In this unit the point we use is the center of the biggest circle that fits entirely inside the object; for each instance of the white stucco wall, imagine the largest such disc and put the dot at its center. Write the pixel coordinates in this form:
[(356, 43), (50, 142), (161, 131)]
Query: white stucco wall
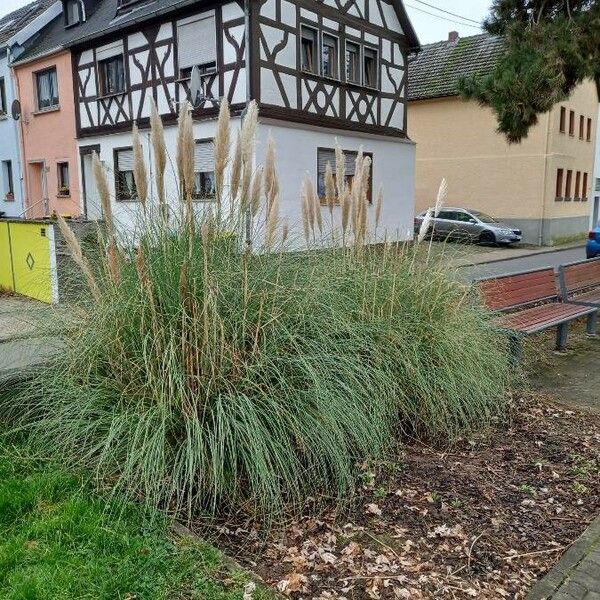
[(9, 145), (296, 155)]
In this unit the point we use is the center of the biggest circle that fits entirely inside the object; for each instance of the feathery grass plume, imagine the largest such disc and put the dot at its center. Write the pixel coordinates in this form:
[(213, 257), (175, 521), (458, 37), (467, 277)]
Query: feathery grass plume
[(236, 169), (271, 181), (103, 192), (256, 192), (112, 263), (340, 169), (378, 206), (159, 149), (425, 224), (357, 191), (272, 221), (330, 188), (222, 144), (317, 208), (185, 161), (307, 213), (140, 174), (77, 255), (248, 137), (441, 197), (346, 202)]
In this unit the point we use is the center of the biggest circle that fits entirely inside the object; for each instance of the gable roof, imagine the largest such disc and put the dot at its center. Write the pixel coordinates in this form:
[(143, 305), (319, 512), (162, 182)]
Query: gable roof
[(16, 20), (436, 70)]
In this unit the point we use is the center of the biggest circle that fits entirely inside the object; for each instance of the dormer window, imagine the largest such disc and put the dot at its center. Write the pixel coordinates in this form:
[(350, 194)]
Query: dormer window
[(72, 12)]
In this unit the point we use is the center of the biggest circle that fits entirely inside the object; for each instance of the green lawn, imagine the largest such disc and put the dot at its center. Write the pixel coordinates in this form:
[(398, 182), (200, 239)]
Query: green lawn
[(59, 541)]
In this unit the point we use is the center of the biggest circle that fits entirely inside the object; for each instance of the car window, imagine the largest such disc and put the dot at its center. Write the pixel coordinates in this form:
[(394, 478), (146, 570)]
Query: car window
[(463, 216), (484, 218), (446, 215)]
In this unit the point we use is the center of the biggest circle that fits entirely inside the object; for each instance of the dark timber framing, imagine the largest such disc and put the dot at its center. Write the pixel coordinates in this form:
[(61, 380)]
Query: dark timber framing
[(151, 68)]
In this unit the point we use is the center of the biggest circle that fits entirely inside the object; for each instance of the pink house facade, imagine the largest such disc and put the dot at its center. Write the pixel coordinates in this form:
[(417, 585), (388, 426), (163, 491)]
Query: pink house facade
[(50, 155)]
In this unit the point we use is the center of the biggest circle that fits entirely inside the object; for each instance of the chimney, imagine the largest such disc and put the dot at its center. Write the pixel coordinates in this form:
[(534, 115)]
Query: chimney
[(453, 36)]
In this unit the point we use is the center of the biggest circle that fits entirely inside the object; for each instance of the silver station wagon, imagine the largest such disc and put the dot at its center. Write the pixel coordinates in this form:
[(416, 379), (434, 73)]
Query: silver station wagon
[(469, 225)]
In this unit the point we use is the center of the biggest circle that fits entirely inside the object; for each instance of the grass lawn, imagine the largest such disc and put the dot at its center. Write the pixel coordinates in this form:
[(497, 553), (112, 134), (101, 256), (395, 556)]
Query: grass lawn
[(60, 541)]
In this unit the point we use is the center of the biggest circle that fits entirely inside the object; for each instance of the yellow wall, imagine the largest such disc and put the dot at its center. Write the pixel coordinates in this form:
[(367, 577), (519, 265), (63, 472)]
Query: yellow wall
[(28, 250), (458, 140)]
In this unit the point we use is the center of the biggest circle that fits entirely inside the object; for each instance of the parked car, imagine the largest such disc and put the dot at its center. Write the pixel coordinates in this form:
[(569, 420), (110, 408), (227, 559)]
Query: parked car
[(470, 225), (592, 248)]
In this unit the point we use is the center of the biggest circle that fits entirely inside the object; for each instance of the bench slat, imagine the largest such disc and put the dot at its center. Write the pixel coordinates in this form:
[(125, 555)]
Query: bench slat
[(542, 317), (524, 288), (580, 276)]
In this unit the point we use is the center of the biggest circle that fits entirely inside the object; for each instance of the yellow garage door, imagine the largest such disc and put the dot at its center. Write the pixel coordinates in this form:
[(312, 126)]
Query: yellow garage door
[(33, 260), (6, 272)]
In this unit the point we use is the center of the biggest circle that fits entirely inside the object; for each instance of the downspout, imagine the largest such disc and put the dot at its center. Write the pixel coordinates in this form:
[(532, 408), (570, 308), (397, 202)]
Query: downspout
[(542, 227), (20, 136)]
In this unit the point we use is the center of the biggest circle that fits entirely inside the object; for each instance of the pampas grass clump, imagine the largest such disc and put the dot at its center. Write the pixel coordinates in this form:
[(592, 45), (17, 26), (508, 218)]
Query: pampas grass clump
[(209, 379)]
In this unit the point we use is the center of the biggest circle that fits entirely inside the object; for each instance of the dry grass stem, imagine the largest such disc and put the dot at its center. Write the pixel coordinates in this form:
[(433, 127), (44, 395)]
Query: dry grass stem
[(307, 221), (185, 160), (222, 144), (272, 221), (285, 232), (271, 179), (77, 255), (140, 174), (346, 202)]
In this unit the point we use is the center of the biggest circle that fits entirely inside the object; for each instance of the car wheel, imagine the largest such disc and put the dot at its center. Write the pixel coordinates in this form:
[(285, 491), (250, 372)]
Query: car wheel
[(487, 237)]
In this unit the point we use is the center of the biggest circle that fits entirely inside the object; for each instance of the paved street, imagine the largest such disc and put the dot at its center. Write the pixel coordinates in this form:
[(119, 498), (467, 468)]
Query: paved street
[(523, 263)]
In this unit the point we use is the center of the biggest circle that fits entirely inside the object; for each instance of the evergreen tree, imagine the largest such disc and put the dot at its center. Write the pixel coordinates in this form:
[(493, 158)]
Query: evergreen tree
[(551, 47)]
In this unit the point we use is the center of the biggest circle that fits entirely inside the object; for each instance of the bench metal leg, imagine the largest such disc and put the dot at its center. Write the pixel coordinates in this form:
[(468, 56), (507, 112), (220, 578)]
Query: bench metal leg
[(561, 336), (516, 348), (592, 324)]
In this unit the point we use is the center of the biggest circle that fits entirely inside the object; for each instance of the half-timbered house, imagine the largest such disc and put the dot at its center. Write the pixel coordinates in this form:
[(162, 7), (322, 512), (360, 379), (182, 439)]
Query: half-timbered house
[(319, 69)]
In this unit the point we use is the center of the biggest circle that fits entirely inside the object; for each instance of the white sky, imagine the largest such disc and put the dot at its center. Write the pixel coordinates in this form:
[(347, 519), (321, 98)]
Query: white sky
[(429, 28)]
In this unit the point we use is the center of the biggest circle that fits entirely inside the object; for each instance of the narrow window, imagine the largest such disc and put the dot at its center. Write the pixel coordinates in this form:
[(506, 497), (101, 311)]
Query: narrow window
[(309, 48), (563, 119), (2, 97), (577, 185), (589, 130), (112, 75), (7, 181), (64, 188), (352, 63), (47, 89), (581, 126), (329, 57), (572, 122), (559, 183), (597, 186), (568, 184), (197, 46), (370, 67), (72, 12), (124, 180), (584, 187), (204, 171)]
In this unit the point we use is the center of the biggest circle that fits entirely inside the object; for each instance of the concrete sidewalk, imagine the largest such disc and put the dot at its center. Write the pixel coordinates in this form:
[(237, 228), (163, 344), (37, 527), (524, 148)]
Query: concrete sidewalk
[(26, 341)]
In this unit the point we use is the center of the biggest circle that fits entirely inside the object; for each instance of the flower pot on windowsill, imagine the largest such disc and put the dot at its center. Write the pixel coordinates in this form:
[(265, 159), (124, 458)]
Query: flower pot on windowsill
[(64, 191), (9, 197)]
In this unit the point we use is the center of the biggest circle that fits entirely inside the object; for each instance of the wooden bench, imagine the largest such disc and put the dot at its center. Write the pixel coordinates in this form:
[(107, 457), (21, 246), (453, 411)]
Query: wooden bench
[(580, 282), (530, 302)]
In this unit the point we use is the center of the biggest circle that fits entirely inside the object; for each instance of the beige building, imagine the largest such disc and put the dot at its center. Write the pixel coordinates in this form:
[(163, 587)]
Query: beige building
[(541, 185)]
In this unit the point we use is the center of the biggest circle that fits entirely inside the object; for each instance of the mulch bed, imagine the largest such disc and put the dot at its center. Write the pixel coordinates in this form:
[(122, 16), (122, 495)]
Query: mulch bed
[(485, 519)]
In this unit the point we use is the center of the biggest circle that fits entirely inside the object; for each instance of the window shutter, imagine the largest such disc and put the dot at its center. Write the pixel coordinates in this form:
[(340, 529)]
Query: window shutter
[(197, 42), (328, 156), (125, 160), (204, 158)]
